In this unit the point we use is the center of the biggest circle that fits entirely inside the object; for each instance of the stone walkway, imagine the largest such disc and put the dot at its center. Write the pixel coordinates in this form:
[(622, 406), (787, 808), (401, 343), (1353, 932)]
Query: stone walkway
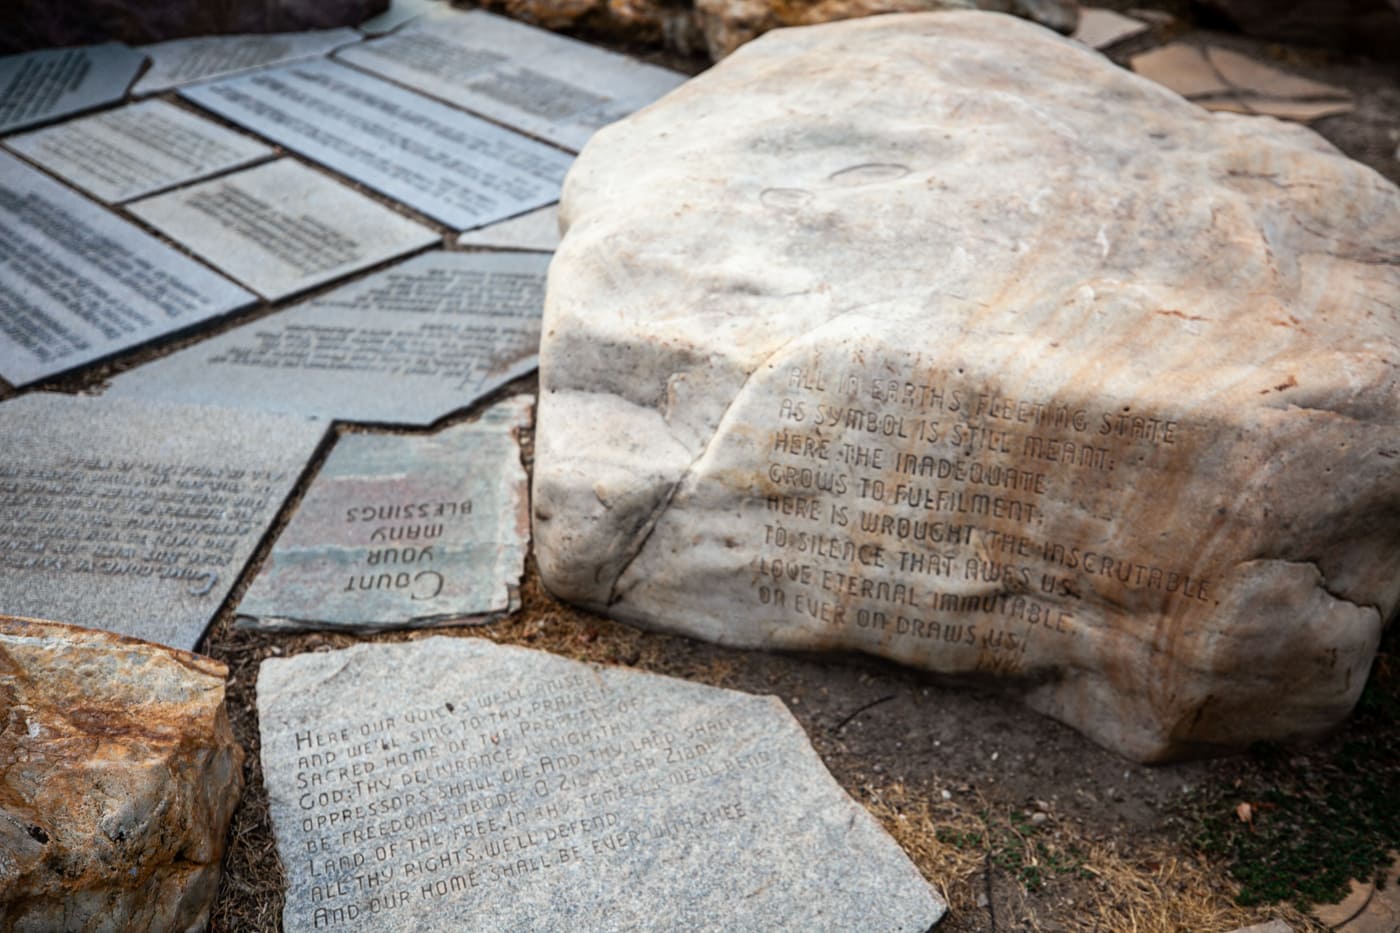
[(251, 285)]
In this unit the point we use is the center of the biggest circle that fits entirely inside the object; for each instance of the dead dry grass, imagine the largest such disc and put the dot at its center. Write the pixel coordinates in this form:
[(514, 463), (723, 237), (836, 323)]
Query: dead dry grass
[(1091, 885)]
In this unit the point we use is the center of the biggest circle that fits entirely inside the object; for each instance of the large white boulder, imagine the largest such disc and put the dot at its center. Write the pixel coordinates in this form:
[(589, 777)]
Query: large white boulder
[(941, 338)]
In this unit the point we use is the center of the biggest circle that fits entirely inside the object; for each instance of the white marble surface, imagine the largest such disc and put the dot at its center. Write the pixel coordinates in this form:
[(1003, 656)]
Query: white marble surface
[(962, 346)]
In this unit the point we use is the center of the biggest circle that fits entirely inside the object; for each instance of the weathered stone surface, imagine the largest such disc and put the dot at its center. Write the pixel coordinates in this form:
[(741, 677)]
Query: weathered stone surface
[(550, 86), (137, 518), (718, 27), (427, 785), (40, 86), (282, 228), (981, 354), (137, 150), (78, 283), (404, 531), (405, 345), (118, 776), (185, 61)]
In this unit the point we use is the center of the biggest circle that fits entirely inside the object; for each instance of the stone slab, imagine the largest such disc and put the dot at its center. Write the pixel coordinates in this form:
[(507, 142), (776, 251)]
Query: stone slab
[(186, 61), (542, 83), (962, 346), (37, 87), (404, 531), (406, 345), (137, 150), (1223, 80), (136, 518), (78, 283), (449, 165), (537, 231), (1099, 28), (428, 785), (282, 228), (400, 12)]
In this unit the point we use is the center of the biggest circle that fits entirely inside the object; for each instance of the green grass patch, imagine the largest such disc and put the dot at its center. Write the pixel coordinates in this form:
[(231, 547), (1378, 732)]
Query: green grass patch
[(1014, 843), (1318, 818)]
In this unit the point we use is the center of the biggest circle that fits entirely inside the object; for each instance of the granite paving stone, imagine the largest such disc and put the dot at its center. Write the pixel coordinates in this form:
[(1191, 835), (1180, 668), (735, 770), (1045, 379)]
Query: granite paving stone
[(282, 228), (137, 518), (37, 87), (537, 231), (186, 61), (436, 159), (452, 783), (537, 81), (78, 283), (405, 345), (404, 531), (137, 150)]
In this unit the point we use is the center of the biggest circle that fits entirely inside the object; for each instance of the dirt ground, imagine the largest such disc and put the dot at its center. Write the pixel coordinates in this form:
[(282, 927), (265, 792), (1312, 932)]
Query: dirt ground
[(1020, 822)]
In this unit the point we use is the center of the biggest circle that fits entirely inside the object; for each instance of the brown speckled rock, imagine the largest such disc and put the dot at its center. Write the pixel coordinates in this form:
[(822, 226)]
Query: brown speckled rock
[(118, 776), (961, 346)]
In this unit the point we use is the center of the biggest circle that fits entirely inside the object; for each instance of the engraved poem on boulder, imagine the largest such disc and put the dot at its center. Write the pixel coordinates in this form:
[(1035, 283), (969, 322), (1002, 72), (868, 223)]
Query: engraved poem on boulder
[(137, 150), (39, 86), (404, 531), (282, 228), (406, 345), (134, 518), (973, 381), (78, 283), (451, 166), (430, 784), (540, 82)]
